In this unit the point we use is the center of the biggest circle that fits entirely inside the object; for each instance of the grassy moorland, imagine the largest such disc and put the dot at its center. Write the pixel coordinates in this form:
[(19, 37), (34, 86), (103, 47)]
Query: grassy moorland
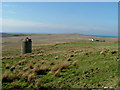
[(69, 63)]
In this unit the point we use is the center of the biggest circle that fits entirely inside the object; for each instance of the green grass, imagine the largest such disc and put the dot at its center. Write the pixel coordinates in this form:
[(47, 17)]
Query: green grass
[(93, 70)]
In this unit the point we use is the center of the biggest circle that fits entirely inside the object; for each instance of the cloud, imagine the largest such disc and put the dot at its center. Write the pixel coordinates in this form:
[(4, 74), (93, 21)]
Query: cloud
[(18, 23), (21, 23), (10, 25)]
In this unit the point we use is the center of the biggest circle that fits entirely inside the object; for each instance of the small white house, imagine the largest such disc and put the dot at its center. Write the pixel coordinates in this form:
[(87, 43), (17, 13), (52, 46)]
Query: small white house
[(96, 40), (92, 39)]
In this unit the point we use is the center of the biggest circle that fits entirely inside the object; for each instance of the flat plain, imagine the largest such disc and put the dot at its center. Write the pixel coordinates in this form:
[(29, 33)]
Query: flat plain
[(60, 61)]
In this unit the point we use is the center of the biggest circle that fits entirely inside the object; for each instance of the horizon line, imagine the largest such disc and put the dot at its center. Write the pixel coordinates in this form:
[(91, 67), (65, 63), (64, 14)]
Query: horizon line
[(60, 33)]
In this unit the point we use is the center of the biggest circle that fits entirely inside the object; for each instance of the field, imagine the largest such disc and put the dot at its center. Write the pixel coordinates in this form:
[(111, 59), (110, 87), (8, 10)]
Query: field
[(60, 61)]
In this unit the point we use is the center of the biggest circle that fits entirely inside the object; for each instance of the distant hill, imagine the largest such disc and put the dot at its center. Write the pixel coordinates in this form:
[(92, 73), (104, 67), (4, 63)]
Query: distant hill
[(12, 35), (26, 34)]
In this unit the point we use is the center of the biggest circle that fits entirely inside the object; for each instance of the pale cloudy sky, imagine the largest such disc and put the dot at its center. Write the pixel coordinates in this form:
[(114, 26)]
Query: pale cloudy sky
[(96, 18)]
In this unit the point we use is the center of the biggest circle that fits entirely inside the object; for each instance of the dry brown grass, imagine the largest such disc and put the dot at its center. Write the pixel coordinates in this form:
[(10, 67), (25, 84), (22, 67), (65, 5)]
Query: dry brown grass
[(28, 67), (31, 77), (15, 85), (64, 64), (113, 51), (7, 66), (52, 63), (48, 62), (38, 83), (20, 74), (85, 53), (57, 73), (42, 61), (55, 67), (72, 55), (13, 67), (71, 50), (33, 61), (61, 65), (44, 67), (8, 76), (41, 70), (37, 65), (18, 68), (21, 62), (25, 75), (11, 43), (102, 52), (75, 63)]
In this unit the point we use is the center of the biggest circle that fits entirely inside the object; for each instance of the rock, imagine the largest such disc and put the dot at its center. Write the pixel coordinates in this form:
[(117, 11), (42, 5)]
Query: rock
[(56, 57)]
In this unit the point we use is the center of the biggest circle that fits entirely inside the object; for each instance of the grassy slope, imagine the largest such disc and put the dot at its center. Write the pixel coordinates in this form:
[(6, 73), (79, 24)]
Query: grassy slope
[(67, 65)]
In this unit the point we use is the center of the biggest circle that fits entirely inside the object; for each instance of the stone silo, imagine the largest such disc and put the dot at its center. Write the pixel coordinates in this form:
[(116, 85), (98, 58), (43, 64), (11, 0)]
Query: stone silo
[(26, 46)]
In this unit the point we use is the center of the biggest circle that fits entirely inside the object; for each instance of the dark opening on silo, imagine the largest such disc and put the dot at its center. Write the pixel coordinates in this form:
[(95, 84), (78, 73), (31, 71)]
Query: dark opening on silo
[(26, 46)]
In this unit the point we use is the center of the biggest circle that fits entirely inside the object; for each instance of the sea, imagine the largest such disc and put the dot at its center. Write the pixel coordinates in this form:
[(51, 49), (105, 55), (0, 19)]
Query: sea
[(104, 36)]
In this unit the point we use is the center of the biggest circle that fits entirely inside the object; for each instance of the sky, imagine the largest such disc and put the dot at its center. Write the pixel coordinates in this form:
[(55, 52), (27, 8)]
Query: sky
[(90, 18)]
